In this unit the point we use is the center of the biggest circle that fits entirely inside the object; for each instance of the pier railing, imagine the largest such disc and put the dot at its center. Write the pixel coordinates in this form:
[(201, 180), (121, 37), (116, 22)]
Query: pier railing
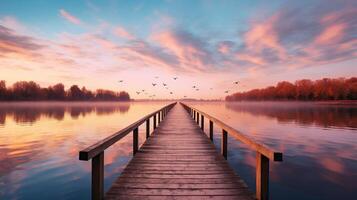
[(263, 153), (96, 151)]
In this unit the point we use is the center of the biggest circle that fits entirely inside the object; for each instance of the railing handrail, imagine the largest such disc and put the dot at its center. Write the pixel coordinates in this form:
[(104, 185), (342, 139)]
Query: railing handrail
[(261, 148), (95, 149)]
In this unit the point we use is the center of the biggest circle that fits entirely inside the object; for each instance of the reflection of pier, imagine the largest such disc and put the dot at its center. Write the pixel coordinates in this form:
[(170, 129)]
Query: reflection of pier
[(178, 160)]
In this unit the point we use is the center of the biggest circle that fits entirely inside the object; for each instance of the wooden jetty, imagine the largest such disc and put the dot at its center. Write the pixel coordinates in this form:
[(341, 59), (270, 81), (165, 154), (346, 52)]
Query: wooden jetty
[(178, 160)]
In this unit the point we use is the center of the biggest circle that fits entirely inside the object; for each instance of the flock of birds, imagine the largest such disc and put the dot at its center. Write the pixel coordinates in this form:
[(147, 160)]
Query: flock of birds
[(166, 87)]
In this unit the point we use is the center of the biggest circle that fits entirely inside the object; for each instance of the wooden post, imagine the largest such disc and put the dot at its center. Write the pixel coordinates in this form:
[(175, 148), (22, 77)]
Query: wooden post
[(202, 122), (211, 130), (154, 122), (162, 115), (198, 118), (147, 128), (159, 117), (98, 177), (194, 115), (262, 177), (135, 140), (224, 144)]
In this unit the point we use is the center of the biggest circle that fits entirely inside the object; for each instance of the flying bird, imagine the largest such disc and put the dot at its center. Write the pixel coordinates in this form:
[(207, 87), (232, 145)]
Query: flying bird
[(193, 86), (153, 84), (226, 91), (170, 92), (137, 92), (156, 77), (120, 81), (143, 90), (197, 89), (184, 96), (164, 84), (175, 78), (236, 82)]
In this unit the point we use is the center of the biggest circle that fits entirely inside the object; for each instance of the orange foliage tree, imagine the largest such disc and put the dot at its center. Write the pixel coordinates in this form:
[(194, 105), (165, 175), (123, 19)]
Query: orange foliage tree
[(305, 89)]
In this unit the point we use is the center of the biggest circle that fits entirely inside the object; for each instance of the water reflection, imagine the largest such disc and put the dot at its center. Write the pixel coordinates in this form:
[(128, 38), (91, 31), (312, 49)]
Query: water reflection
[(301, 113), (32, 112), (318, 143), (39, 145)]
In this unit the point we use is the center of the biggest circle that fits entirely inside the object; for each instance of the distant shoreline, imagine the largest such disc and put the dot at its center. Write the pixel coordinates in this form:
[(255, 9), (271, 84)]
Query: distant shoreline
[(331, 102)]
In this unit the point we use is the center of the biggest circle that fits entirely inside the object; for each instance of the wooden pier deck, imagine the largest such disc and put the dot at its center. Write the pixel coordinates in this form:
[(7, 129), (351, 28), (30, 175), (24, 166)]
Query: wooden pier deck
[(178, 161)]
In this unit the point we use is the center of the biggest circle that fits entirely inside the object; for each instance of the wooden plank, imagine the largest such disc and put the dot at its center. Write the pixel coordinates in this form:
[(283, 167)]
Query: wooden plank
[(183, 197), (179, 160), (178, 186), (178, 192)]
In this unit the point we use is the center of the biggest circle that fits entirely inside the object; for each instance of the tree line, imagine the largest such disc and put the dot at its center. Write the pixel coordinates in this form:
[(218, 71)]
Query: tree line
[(305, 89), (31, 91)]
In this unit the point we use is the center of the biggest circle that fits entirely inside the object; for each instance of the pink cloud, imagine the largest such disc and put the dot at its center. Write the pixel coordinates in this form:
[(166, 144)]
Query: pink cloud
[(12, 43), (299, 38), (225, 47), (70, 17), (189, 50), (330, 34), (123, 33)]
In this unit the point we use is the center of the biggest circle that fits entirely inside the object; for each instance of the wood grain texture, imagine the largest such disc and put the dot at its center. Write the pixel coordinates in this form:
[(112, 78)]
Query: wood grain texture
[(178, 162)]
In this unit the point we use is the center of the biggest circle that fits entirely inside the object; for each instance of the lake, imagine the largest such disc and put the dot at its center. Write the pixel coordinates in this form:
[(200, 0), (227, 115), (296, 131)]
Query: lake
[(39, 145)]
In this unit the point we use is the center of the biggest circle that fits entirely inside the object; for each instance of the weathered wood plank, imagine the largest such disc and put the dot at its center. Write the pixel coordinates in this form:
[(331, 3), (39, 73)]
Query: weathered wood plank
[(178, 161)]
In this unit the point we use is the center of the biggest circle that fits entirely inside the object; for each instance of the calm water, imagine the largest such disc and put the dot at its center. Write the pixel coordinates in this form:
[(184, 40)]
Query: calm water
[(39, 144)]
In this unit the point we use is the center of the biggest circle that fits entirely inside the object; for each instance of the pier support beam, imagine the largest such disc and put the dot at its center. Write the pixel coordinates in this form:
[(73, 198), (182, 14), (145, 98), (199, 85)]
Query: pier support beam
[(262, 177), (98, 177), (202, 122), (154, 122), (135, 140), (148, 128), (224, 142), (211, 130)]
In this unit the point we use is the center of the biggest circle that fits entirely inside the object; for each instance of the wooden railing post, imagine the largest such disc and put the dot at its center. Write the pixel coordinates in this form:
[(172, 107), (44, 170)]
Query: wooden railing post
[(202, 122), (159, 117), (154, 122), (198, 118), (135, 140), (224, 140), (262, 177), (98, 177), (194, 115), (148, 128), (211, 130)]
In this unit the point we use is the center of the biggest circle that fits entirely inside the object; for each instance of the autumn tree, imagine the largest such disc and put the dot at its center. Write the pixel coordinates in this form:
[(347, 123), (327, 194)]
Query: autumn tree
[(323, 89), (3, 90)]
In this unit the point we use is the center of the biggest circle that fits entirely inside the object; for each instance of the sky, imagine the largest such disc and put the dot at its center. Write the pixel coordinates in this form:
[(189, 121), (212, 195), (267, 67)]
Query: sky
[(204, 43)]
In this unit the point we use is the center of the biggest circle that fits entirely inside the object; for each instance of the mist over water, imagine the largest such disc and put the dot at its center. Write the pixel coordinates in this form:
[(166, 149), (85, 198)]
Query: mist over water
[(39, 144)]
